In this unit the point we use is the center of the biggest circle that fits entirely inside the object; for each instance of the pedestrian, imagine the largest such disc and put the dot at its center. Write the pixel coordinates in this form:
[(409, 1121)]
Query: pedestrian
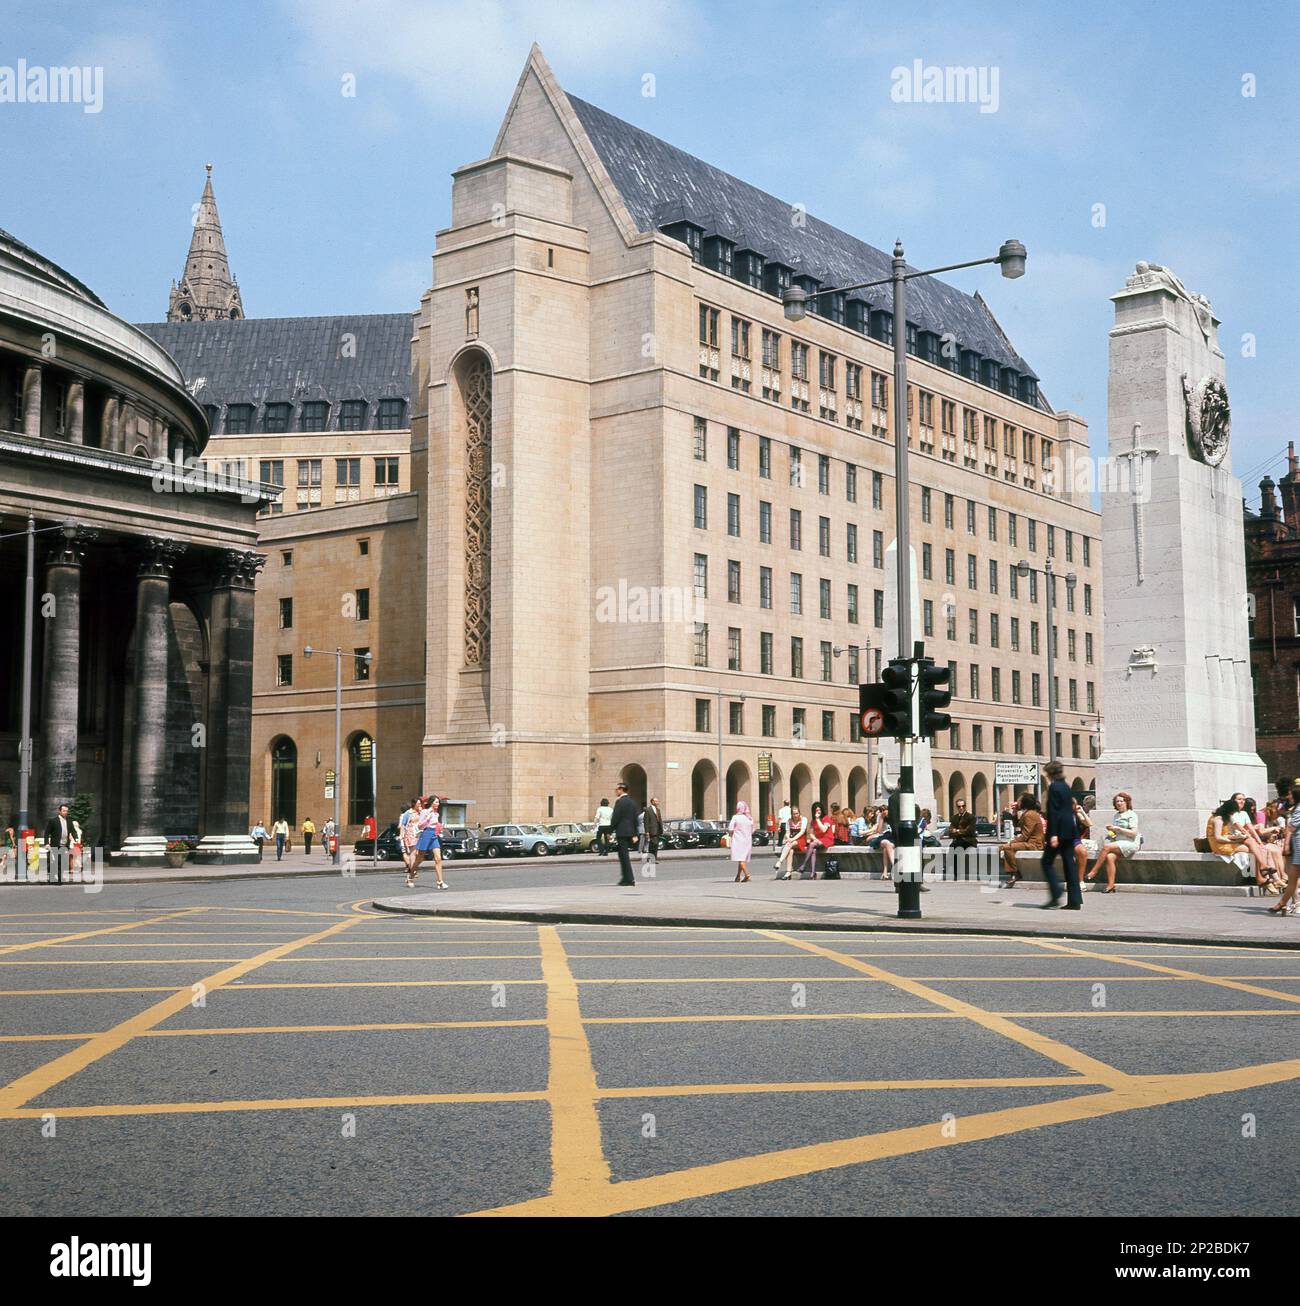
[(369, 829), (1062, 837), (796, 836), (654, 830), (408, 831), (9, 850), (772, 829), (880, 838), (1286, 904), (622, 821), (329, 836), (281, 831), (429, 842), (604, 826), (741, 830), (59, 838), (308, 829), (783, 823), (961, 829), (259, 836), (1122, 840), (1029, 837)]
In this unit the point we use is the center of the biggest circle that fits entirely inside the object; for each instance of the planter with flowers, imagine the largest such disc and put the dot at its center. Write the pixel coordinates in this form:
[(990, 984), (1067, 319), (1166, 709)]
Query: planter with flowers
[(177, 853)]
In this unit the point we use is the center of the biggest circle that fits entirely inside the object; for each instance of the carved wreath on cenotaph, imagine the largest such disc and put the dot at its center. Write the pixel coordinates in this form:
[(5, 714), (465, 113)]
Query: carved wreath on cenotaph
[(1209, 418)]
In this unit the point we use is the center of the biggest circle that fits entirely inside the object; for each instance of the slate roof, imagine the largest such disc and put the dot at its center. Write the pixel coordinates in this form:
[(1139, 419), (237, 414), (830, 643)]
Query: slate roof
[(661, 184), (292, 359)]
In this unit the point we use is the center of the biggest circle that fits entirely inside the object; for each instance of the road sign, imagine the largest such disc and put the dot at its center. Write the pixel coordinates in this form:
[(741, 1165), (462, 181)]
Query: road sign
[(1015, 773), (873, 721)]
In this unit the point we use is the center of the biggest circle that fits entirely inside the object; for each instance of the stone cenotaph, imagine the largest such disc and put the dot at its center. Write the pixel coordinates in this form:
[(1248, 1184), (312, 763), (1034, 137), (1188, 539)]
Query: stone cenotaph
[(1180, 719)]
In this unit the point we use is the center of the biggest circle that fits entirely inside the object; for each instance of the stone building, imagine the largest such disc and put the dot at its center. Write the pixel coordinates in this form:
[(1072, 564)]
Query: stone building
[(662, 509), (143, 640), (1273, 576), (318, 408)]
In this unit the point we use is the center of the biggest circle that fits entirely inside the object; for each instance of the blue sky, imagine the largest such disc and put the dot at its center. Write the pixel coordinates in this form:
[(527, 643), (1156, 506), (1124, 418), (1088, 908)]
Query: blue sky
[(330, 203)]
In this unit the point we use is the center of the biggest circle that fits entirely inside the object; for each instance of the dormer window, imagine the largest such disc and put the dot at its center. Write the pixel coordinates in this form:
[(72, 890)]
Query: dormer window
[(970, 365), (912, 338), (718, 254), (749, 268), (928, 345), (690, 235), (859, 316), (239, 419), (391, 413), (989, 373), (1029, 391), (315, 415), (776, 278), (882, 326), (834, 307), (352, 415), (1009, 382), (276, 417), (811, 285)]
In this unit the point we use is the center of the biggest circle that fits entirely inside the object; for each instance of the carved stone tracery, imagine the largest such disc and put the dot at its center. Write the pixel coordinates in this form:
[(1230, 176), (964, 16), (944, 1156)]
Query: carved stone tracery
[(476, 388)]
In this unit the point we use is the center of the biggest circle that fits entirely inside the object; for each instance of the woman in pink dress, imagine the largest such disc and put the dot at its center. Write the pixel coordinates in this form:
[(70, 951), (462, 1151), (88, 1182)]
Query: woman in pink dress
[(742, 839)]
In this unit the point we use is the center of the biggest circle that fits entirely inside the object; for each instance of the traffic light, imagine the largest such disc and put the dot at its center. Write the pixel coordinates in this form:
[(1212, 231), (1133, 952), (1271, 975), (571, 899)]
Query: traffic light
[(935, 696), (896, 680)]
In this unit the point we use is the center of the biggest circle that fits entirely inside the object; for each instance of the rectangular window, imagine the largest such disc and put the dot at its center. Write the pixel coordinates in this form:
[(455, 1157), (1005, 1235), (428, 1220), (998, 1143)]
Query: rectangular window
[(993, 576), (1033, 536), (1011, 528), (701, 643), (950, 614), (853, 605), (733, 448), (765, 587), (954, 737), (877, 489), (823, 474), (733, 514), (796, 658), (796, 466), (855, 666), (878, 609), (826, 656), (824, 536), (308, 472), (701, 439), (392, 413), (702, 706), (994, 630), (765, 652), (1015, 632), (877, 549), (286, 614), (769, 721), (799, 723), (949, 567), (701, 576), (352, 415), (796, 594), (360, 664), (1013, 583), (974, 626), (927, 616), (925, 503), (733, 581), (970, 517), (286, 558), (798, 376), (796, 529), (1087, 600), (1087, 647), (1015, 686), (995, 685), (239, 419), (977, 738), (386, 474), (824, 598), (764, 458), (1051, 540), (347, 471), (363, 605), (947, 511), (997, 740), (771, 365), (927, 562), (1091, 699), (708, 342), (972, 575), (284, 669), (1035, 689), (736, 723), (315, 415), (733, 650), (974, 681), (1069, 546), (701, 508), (740, 369), (1020, 742), (275, 418), (764, 523), (828, 726), (993, 523), (1087, 552)]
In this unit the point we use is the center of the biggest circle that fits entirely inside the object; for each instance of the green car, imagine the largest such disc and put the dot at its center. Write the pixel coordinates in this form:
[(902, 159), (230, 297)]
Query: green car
[(583, 833)]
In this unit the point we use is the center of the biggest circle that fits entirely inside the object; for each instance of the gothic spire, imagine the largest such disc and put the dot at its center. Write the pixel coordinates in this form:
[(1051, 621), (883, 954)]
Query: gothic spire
[(206, 290)]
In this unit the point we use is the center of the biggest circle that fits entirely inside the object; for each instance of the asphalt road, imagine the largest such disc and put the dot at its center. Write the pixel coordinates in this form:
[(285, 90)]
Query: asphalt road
[(274, 1048)]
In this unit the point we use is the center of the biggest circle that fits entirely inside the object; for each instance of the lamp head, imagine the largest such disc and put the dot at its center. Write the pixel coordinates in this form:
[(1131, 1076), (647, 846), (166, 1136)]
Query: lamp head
[(794, 303), (1012, 259), (1071, 581), (307, 652), (1023, 568)]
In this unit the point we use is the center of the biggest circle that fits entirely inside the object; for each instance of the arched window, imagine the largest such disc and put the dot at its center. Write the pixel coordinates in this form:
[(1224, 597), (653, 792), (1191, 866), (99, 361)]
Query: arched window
[(361, 779), (284, 783)]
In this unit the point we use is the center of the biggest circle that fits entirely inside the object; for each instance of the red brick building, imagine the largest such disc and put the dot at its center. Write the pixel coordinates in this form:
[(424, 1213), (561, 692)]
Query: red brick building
[(1273, 575)]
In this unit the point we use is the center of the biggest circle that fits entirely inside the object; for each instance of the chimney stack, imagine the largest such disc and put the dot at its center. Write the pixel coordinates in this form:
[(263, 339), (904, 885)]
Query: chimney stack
[(1290, 487)]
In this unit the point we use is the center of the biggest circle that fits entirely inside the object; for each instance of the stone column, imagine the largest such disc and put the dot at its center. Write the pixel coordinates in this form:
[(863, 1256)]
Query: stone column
[(60, 680), (230, 711), (109, 423), (158, 444), (76, 412), (145, 842), (32, 401)]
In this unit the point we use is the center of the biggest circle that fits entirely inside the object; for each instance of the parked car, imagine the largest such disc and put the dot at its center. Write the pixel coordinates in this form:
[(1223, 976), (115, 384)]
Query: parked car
[(458, 841), (708, 834), (390, 845), (516, 840), (583, 832), (679, 834), (983, 826)]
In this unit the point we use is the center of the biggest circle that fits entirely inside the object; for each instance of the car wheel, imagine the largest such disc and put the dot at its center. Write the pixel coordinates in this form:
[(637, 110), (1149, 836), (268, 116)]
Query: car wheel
[(538, 850), (493, 850)]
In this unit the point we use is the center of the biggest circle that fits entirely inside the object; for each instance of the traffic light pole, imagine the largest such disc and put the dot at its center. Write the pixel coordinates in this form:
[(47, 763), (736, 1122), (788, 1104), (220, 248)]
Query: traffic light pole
[(907, 856)]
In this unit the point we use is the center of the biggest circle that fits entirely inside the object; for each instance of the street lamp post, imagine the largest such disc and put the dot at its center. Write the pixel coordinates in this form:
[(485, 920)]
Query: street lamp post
[(866, 651), (1011, 258), (1023, 568), (338, 734)]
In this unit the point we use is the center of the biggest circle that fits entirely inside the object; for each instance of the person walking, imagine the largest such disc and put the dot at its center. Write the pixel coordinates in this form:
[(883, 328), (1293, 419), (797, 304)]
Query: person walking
[(429, 842), (281, 832), (783, 823), (259, 836), (796, 834), (58, 841), (1122, 840), (654, 831), (1286, 904), (308, 829), (741, 830), (1029, 837), (604, 826), (9, 850), (622, 821), (1062, 836), (408, 831)]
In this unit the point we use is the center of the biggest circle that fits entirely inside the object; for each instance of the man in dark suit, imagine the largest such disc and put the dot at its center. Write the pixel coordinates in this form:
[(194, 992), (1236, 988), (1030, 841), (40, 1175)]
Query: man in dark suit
[(623, 823), (58, 839), (1061, 840)]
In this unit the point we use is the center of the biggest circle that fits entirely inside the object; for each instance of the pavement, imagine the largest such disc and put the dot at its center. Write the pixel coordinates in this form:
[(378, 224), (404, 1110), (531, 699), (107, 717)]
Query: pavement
[(700, 897), (277, 1048)]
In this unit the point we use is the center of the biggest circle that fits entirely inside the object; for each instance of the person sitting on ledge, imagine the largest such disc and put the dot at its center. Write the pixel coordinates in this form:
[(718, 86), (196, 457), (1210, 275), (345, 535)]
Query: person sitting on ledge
[(1286, 904), (1030, 838), (1122, 840), (1227, 840)]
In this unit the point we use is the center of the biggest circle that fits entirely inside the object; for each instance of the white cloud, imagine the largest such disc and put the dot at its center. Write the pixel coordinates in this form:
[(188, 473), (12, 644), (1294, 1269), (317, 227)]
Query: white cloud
[(461, 56), (135, 69)]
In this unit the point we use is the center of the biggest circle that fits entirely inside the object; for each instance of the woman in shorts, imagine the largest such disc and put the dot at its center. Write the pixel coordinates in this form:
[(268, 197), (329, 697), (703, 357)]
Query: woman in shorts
[(429, 843)]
